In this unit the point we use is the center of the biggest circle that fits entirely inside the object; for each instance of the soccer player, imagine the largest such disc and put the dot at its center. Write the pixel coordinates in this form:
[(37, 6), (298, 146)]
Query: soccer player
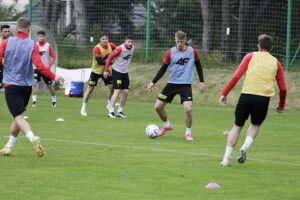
[(122, 55), (262, 69), (19, 52), (100, 53), (181, 60), (5, 32), (48, 58)]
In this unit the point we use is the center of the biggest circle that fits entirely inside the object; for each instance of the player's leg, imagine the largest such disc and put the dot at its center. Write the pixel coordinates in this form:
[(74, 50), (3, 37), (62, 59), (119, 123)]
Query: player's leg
[(117, 86), (187, 105), (113, 100), (48, 82), (91, 84), (162, 113), (259, 112), (125, 92), (109, 84), (166, 96), (37, 79), (14, 132), (123, 100), (242, 112), (185, 92), (53, 96), (17, 98)]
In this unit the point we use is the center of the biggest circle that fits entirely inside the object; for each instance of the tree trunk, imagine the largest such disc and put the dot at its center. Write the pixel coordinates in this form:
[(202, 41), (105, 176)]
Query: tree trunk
[(207, 34), (81, 23), (225, 25)]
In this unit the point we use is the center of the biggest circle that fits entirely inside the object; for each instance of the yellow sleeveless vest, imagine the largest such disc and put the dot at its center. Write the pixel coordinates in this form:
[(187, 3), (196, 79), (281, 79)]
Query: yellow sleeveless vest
[(96, 68), (261, 75)]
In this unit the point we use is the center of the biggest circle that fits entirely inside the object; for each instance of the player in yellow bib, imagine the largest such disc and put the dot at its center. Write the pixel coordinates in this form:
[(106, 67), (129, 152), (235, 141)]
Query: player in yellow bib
[(100, 53)]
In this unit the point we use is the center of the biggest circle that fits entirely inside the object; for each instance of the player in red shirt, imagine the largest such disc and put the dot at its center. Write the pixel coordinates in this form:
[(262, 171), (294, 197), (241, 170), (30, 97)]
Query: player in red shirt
[(19, 53), (262, 69), (48, 58)]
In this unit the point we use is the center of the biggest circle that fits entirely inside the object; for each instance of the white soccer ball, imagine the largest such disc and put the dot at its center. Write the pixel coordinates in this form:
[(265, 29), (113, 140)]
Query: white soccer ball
[(152, 131)]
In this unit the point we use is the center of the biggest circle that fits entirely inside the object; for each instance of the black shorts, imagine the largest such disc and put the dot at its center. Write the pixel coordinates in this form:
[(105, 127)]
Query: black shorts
[(17, 98), (93, 81), (120, 80), (1, 78), (254, 105), (170, 90), (38, 75)]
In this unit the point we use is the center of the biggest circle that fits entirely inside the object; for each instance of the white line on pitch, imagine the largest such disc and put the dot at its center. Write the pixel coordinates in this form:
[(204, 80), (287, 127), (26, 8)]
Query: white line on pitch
[(164, 150), (159, 150)]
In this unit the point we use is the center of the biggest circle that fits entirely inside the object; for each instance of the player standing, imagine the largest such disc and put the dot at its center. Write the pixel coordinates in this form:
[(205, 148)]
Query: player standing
[(19, 52), (5, 32), (122, 55), (100, 53), (181, 60), (262, 69), (48, 58)]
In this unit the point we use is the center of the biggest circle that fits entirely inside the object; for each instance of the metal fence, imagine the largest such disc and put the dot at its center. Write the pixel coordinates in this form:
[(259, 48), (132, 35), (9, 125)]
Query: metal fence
[(222, 30)]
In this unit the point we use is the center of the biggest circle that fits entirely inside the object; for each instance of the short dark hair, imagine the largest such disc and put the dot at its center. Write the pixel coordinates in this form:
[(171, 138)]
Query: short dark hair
[(180, 35), (23, 23), (41, 32), (4, 26), (265, 42), (128, 37), (103, 34)]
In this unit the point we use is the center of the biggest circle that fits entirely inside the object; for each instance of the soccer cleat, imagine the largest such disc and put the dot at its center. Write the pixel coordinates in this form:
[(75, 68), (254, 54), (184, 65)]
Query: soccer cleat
[(6, 151), (121, 115), (188, 137), (225, 162), (83, 113), (34, 104), (164, 130), (111, 115), (36, 141), (54, 104), (242, 156)]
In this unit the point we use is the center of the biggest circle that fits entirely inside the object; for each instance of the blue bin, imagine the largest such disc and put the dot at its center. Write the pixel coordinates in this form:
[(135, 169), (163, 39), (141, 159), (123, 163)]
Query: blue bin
[(76, 88)]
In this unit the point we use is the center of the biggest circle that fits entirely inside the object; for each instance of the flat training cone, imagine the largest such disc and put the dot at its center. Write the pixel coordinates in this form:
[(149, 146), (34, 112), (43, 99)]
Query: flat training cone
[(226, 132), (213, 185), (60, 120)]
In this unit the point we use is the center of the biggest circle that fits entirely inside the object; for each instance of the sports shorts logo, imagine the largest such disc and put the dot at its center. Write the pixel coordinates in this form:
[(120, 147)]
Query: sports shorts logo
[(92, 82), (162, 96)]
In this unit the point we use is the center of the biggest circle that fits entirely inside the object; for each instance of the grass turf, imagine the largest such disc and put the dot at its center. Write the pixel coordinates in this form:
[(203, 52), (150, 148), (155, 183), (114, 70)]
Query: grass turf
[(96, 157)]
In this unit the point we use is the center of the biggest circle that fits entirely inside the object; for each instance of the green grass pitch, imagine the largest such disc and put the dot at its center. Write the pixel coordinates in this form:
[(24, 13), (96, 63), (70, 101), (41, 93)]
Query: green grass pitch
[(96, 157)]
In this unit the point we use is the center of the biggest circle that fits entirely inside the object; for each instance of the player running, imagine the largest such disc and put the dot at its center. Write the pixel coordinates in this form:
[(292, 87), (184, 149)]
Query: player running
[(100, 53), (262, 69), (122, 56), (181, 60), (48, 58), (19, 53)]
